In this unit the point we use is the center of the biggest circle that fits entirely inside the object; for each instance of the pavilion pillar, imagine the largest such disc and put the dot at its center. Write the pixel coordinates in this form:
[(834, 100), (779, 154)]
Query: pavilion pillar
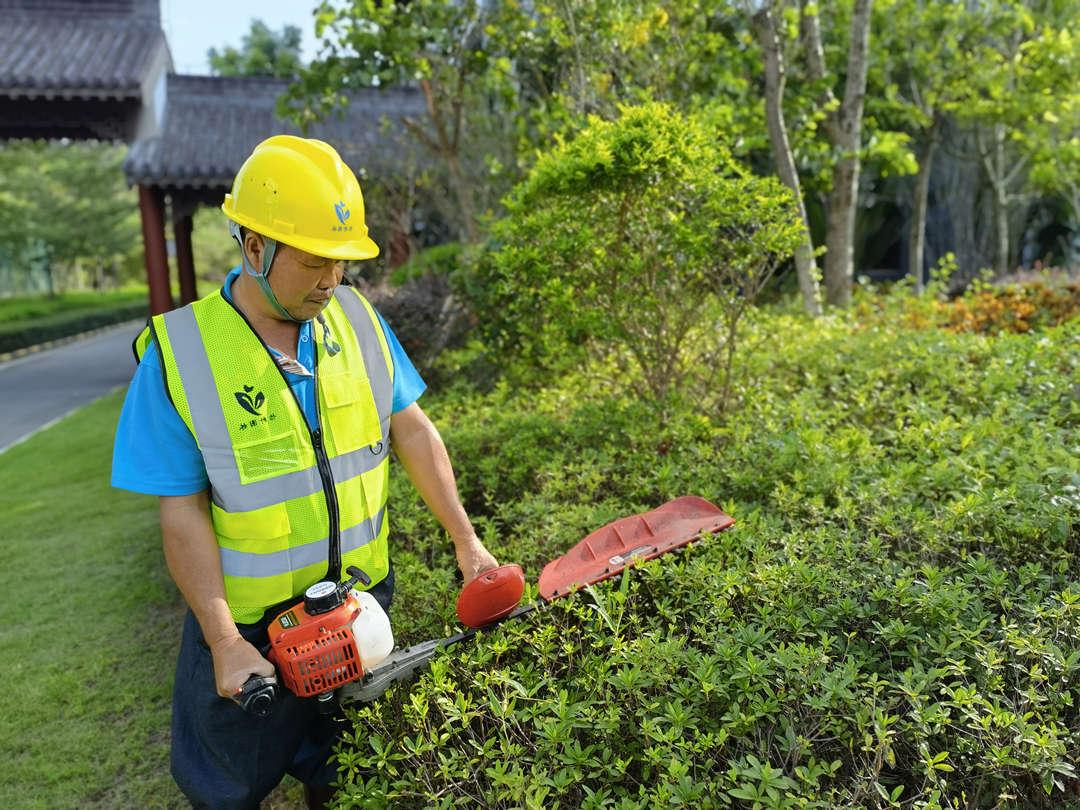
[(152, 212), (185, 257)]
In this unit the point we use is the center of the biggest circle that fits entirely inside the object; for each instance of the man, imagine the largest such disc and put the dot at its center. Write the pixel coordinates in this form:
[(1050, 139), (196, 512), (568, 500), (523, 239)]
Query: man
[(262, 417)]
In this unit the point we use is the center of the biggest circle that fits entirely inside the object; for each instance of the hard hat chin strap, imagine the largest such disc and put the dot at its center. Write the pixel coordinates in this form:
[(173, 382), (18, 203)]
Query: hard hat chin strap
[(263, 277)]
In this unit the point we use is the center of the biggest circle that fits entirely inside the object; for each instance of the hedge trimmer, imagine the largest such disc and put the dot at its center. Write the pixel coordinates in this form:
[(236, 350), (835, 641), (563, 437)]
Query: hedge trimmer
[(320, 646)]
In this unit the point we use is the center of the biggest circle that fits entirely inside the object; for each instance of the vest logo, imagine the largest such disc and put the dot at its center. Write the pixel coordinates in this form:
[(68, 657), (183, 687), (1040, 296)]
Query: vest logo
[(249, 404)]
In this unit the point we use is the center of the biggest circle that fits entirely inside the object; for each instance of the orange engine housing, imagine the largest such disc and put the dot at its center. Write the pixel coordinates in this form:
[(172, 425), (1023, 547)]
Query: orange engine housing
[(315, 654)]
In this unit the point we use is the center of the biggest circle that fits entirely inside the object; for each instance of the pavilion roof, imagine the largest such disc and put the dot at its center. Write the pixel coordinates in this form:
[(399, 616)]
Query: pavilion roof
[(77, 49), (213, 122)]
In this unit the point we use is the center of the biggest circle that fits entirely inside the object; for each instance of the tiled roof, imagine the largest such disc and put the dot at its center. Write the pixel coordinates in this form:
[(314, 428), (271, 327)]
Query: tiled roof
[(92, 55), (144, 9), (213, 122)]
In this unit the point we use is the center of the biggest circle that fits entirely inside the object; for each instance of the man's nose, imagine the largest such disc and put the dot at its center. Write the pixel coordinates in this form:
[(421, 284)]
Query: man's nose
[(332, 276)]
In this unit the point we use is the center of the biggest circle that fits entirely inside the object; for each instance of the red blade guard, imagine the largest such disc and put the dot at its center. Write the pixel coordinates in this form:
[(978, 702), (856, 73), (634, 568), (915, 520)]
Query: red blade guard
[(608, 550)]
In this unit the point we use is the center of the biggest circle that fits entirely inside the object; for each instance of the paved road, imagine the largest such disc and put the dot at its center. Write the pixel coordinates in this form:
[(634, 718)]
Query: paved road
[(38, 389)]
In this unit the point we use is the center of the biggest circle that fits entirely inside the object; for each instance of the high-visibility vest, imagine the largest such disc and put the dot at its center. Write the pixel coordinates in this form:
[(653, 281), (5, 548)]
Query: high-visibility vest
[(289, 505)]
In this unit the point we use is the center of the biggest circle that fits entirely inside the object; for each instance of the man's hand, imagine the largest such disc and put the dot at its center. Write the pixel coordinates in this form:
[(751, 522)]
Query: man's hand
[(194, 560), (473, 559), (235, 660)]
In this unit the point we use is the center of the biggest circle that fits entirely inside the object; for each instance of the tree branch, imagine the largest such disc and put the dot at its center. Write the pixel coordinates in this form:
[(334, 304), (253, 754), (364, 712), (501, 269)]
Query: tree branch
[(421, 134), (855, 84), (810, 31)]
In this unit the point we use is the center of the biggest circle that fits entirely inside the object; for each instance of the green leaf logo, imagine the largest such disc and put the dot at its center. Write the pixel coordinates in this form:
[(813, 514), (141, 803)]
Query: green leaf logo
[(252, 406)]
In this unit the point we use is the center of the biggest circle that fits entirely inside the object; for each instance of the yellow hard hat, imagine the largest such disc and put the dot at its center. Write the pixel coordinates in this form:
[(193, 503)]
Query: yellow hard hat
[(300, 192)]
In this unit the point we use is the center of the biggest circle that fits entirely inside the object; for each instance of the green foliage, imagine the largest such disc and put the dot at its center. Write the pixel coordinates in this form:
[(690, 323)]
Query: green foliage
[(263, 53), (69, 200), (639, 241), (216, 252), (1052, 140), (894, 620), (442, 260), (502, 79), (1018, 95)]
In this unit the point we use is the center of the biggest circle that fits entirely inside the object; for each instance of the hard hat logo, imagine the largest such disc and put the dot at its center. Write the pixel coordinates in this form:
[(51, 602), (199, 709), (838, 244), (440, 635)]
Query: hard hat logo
[(342, 212)]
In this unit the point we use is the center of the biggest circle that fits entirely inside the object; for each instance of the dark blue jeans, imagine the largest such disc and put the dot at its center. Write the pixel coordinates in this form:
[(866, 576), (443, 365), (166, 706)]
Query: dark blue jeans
[(226, 759)]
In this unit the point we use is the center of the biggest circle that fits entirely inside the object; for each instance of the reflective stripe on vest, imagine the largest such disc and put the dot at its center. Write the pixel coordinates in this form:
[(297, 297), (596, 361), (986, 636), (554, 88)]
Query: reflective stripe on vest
[(212, 434), (238, 564), (269, 510)]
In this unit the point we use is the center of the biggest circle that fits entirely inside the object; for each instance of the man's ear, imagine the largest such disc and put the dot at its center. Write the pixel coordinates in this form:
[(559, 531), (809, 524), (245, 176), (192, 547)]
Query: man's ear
[(253, 249)]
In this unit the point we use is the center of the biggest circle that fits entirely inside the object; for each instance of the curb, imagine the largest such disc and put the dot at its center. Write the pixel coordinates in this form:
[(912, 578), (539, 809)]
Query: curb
[(52, 344)]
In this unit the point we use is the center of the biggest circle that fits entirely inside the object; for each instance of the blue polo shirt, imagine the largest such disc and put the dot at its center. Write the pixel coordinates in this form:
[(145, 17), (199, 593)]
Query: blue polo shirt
[(156, 454)]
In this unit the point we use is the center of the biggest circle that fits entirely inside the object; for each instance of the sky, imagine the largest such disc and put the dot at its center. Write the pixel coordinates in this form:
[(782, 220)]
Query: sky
[(194, 26)]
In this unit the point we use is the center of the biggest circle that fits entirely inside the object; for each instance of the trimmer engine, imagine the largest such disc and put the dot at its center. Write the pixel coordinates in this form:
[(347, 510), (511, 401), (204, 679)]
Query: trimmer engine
[(329, 639)]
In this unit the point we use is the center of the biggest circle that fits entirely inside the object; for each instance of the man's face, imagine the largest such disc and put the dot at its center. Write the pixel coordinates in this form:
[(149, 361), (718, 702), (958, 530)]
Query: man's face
[(303, 282)]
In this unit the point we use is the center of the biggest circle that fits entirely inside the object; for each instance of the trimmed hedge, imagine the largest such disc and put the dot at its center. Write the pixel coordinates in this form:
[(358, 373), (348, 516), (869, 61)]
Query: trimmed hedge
[(21, 334), (894, 621)]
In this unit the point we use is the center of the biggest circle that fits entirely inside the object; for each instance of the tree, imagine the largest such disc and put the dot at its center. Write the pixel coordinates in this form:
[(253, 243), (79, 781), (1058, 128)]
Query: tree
[(921, 77), (639, 242), (1021, 78), (843, 125), (68, 199), (455, 53), (263, 53), (501, 80), (775, 77), (1053, 144)]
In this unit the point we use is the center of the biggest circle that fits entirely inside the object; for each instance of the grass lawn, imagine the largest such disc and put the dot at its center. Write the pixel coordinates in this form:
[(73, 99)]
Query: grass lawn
[(89, 627)]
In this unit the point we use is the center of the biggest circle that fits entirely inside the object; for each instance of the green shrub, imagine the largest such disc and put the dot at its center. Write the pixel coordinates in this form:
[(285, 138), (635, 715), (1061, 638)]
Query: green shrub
[(748, 672), (441, 260), (23, 333), (894, 620), (639, 242)]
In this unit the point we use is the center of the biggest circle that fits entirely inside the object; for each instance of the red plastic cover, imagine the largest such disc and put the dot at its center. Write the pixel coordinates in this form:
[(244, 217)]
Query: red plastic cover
[(491, 596), (608, 550)]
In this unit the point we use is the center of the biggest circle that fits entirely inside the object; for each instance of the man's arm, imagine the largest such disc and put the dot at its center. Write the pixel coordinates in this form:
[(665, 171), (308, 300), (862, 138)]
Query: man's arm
[(191, 552), (421, 450)]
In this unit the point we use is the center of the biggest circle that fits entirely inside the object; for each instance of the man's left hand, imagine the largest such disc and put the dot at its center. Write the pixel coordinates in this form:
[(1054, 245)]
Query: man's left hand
[(473, 559)]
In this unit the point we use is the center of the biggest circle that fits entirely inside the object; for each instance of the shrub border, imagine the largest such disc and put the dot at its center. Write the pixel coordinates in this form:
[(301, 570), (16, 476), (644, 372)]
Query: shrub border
[(61, 341)]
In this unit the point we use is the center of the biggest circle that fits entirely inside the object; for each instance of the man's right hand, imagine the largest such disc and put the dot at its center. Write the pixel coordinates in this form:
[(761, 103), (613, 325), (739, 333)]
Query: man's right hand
[(235, 660)]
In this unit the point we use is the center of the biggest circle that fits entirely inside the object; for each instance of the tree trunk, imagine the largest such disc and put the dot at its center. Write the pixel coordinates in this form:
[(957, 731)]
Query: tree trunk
[(840, 233), (805, 265), (840, 236), (1001, 177), (464, 193), (1001, 205), (917, 230), (446, 145)]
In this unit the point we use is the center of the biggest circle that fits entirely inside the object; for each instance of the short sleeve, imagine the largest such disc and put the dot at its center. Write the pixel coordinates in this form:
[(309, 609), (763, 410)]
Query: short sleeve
[(154, 452), (408, 384)]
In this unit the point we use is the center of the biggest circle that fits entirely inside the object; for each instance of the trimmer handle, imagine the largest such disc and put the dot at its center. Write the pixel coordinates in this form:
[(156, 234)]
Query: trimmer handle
[(258, 695)]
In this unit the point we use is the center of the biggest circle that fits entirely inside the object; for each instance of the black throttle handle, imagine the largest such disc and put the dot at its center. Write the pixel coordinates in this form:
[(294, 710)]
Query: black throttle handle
[(258, 695)]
